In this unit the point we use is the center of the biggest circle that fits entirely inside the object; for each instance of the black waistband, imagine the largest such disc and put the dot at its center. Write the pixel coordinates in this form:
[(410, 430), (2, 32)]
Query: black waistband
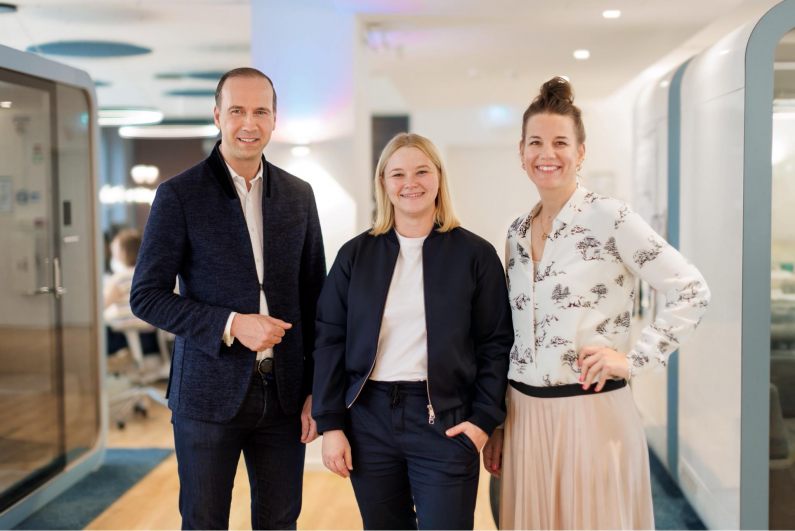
[(407, 388), (561, 391)]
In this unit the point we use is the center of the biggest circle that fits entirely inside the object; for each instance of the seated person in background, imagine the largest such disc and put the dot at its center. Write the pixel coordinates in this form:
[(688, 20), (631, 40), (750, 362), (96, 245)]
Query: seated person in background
[(116, 292)]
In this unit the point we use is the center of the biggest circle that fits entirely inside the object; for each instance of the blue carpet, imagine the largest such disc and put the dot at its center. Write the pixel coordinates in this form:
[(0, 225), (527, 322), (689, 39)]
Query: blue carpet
[(78, 506), (671, 509)]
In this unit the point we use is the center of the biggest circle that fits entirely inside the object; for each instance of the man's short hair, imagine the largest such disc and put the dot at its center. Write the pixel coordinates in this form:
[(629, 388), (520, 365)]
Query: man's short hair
[(242, 72)]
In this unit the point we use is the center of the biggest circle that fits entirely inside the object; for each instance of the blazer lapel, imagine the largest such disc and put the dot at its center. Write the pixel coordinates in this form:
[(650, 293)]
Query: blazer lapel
[(273, 213), (222, 176)]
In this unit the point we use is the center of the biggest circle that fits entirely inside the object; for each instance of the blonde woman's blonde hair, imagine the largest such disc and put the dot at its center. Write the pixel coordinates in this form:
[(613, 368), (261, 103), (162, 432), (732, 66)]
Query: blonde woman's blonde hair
[(385, 211)]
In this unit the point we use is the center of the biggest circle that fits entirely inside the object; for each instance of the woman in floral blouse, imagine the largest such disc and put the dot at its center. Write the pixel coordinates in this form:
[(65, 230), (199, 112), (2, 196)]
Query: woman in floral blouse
[(573, 452)]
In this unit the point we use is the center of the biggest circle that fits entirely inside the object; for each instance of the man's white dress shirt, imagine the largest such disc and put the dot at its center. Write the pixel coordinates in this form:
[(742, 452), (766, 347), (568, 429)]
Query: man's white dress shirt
[(251, 201)]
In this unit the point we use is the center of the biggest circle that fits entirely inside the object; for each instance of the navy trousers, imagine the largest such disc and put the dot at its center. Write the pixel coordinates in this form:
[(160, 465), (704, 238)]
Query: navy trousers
[(208, 454), (407, 472)]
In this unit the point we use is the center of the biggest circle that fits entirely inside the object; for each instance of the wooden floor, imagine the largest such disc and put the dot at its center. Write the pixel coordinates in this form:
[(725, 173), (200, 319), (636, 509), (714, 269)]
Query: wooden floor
[(328, 500)]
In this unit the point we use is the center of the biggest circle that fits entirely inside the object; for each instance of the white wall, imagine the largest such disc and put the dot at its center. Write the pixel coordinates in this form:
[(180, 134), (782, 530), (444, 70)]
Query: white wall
[(489, 190)]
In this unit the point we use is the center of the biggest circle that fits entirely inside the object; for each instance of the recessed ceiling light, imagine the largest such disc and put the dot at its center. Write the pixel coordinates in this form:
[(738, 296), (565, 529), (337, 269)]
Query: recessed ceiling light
[(129, 116), (611, 13), (581, 54), (169, 131), (724, 52), (664, 83), (5, 104), (565, 77)]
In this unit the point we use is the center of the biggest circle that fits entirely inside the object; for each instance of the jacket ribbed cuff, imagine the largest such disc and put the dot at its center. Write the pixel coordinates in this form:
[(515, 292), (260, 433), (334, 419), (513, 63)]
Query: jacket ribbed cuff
[(484, 421), (330, 421)]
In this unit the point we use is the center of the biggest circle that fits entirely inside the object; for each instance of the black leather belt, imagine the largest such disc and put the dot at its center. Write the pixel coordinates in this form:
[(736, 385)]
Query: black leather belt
[(264, 367), (562, 391)]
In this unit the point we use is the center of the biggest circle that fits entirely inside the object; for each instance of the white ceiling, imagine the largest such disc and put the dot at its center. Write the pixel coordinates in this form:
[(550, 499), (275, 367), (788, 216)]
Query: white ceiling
[(185, 35), (501, 51), (440, 53)]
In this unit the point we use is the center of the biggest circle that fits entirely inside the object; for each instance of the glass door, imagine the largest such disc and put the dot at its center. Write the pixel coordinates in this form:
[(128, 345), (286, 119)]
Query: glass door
[(32, 435), (75, 233), (782, 296)]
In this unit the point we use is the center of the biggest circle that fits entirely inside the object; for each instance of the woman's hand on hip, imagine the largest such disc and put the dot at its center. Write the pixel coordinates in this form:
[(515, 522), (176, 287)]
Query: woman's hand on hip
[(337, 453), (475, 434), (492, 453), (602, 363)]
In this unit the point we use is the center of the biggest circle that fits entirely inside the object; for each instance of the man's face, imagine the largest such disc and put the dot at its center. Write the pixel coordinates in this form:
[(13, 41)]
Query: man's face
[(246, 117)]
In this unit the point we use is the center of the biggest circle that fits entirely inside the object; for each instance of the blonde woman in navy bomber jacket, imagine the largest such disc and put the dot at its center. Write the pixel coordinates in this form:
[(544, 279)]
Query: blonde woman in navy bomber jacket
[(411, 356)]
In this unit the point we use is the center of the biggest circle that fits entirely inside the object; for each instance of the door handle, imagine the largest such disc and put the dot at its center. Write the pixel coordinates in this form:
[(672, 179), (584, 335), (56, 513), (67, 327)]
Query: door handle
[(57, 290), (41, 291)]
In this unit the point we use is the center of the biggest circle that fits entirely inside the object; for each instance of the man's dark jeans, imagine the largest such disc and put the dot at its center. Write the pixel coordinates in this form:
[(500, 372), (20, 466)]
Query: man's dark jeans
[(208, 454)]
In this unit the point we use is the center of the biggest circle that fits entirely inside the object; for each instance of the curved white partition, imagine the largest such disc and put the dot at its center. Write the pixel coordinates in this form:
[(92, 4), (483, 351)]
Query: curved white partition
[(724, 377), (656, 197), (650, 200)]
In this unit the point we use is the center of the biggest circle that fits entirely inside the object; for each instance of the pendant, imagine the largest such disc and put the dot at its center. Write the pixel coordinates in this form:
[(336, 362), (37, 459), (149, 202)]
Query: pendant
[(544, 236)]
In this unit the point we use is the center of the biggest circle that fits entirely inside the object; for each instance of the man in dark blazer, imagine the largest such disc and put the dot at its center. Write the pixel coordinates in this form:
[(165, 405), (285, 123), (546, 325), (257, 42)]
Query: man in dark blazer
[(243, 238)]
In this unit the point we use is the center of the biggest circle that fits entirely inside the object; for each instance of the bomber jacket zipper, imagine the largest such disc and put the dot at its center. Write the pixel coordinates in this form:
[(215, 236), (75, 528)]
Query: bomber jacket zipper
[(431, 414)]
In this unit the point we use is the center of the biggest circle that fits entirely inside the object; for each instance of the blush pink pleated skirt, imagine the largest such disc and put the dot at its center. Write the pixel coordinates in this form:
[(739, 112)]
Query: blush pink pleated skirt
[(577, 462)]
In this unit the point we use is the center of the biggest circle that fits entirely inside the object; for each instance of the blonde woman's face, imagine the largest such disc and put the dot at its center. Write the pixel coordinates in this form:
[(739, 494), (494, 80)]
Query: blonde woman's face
[(550, 153), (411, 181)]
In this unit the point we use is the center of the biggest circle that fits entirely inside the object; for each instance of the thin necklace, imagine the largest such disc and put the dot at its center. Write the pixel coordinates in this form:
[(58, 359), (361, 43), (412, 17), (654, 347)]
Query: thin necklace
[(544, 233)]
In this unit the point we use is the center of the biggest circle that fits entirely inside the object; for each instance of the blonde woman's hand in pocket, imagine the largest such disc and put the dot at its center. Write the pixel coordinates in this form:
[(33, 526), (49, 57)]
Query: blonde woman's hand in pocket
[(475, 434)]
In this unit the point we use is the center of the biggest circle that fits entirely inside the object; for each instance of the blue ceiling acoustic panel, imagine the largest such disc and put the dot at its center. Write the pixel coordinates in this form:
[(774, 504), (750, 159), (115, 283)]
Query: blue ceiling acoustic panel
[(191, 93), (209, 76), (89, 49), (214, 75)]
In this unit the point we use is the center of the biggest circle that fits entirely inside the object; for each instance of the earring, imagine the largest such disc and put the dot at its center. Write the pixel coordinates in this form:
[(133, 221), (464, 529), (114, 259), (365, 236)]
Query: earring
[(523, 166), (579, 167)]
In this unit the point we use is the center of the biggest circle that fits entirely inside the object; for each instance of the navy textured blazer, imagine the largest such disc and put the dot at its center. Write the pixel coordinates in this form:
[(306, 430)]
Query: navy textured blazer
[(197, 232)]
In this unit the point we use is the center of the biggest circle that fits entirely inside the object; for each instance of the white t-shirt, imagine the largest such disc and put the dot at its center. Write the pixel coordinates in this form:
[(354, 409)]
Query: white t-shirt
[(403, 343)]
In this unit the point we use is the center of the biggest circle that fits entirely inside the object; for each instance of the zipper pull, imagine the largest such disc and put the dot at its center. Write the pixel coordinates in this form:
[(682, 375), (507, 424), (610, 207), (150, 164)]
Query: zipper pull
[(431, 415)]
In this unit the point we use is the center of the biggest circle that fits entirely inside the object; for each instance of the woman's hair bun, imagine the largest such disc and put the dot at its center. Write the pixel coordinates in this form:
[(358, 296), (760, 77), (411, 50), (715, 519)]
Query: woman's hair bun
[(556, 97), (555, 90)]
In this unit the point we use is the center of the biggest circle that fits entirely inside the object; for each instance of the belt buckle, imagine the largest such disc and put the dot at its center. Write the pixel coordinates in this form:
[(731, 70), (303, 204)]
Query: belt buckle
[(265, 366)]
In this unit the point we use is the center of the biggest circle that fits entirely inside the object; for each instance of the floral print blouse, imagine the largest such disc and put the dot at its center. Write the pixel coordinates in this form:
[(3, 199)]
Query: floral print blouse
[(584, 289)]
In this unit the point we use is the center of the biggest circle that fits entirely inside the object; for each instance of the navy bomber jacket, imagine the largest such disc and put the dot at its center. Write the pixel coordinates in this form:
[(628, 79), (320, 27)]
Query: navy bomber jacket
[(468, 319)]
